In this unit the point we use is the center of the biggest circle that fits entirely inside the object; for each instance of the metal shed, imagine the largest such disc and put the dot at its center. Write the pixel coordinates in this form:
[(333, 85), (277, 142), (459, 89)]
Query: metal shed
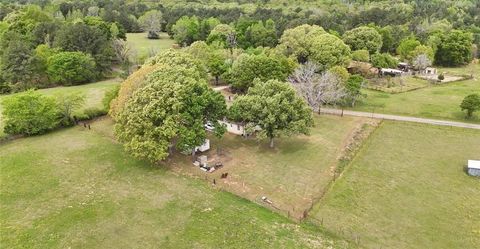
[(474, 167)]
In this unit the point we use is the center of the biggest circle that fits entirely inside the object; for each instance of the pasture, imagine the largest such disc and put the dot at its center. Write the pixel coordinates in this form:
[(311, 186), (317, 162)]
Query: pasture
[(438, 101), (77, 188), (407, 188), (293, 175)]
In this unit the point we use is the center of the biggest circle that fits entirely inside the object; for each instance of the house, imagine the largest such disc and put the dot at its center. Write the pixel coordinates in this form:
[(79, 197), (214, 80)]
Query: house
[(430, 70), (204, 147), (473, 167)]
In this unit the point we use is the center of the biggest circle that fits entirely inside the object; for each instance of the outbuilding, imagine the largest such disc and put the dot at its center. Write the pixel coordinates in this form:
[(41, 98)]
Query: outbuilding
[(473, 167)]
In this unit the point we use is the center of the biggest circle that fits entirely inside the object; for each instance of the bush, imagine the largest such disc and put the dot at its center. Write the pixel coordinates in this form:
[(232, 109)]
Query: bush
[(441, 77), (71, 68), (384, 61), (91, 113), (29, 113), (361, 55), (109, 96), (153, 35)]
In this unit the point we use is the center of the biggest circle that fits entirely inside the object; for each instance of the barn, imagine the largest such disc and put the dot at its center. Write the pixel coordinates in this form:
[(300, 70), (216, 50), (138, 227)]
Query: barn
[(473, 167)]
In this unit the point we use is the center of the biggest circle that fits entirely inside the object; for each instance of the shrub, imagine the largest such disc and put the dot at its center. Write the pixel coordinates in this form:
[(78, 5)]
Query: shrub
[(361, 55), (109, 96), (384, 61), (471, 104), (71, 68), (441, 77), (29, 113), (91, 113)]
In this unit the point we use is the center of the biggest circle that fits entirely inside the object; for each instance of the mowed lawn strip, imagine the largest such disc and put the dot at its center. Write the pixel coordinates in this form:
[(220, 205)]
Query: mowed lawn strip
[(292, 175), (407, 188), (77, 188), (94, 93), (438, 102)]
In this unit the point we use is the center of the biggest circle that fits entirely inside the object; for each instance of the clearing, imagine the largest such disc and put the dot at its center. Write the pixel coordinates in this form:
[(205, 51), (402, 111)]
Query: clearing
[(407, 188), (77, 188), (144, 47)]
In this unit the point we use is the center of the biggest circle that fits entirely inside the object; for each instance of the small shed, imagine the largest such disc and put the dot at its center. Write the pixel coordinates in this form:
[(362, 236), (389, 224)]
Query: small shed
[(430, 70), (204, 147), (473, 167)]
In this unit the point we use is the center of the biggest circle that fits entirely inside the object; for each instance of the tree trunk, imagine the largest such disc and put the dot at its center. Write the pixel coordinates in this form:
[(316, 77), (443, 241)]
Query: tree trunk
[(193, 154), (216, 80), (271, 143)]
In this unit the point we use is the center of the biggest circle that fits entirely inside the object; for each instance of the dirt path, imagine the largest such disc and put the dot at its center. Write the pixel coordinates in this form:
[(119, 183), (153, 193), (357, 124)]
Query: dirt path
[(401, 118)]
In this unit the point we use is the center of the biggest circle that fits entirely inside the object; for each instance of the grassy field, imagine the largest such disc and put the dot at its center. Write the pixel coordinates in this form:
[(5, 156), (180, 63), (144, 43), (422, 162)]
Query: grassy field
[(76, 188), (407, 188), (397, 85), (94, 93), (293, 175), (143, 46), (440, 102)]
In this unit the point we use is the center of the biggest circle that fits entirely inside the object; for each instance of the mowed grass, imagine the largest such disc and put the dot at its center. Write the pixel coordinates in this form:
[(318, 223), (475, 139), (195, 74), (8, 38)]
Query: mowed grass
[(77, 188), (439, 102), (143, 46), (292, 175), (407, 188), (94, 93)]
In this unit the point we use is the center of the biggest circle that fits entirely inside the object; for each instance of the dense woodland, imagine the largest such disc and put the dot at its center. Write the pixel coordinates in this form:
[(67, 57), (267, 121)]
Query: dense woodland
[(246, 44)]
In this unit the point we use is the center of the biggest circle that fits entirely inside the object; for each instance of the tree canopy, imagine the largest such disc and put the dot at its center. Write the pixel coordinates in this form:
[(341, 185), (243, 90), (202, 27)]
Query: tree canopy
[(365, 38)]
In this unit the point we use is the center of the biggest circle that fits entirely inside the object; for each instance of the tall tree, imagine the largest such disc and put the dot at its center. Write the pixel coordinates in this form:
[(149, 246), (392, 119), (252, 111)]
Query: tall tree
[(275, 108), (454, 49), (363, 38), (151, 21)]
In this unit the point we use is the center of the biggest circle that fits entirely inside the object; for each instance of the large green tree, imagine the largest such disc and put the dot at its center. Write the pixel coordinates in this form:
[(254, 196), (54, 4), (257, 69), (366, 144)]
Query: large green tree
[(169, 111), (275, 107), (186, 30), (454, 48), (470, 104), (264, 67), (298, 41), (363, 38), (328, 51), (71, 68)]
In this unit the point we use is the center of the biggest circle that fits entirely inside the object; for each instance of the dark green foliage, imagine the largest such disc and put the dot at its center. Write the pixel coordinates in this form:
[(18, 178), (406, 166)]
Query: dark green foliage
[(87, 39), (471, 104), (29, 113), (454, 49), (71, 68)]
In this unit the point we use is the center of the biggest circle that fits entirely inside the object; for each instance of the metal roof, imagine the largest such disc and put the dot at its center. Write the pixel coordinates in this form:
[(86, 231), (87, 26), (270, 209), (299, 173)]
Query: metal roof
[(473, 164)]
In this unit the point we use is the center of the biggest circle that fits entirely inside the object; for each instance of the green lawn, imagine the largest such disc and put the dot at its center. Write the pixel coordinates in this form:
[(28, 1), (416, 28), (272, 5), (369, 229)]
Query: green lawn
[(143, 46), (407, 188), (440, 102), (293, 175), (76, 188), (94, 93)]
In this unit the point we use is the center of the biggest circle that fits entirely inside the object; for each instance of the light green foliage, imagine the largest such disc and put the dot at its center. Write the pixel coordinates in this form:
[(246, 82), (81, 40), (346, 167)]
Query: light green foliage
[(206, 27), (328, 51), (422, 49), (384, 61), (110, 95), (361, 55), (186, 30), (471, 104), (179, 58), (406, 48), (219, 35), (340, 72), (264, 67), (262, 35), (275, 107), (454, 48), (298, 41), (364, 38), (26, 19), (213, 59), (151, 21), (29, 113), (353, 87), (67, 104), (42, 53), (71, 68)]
